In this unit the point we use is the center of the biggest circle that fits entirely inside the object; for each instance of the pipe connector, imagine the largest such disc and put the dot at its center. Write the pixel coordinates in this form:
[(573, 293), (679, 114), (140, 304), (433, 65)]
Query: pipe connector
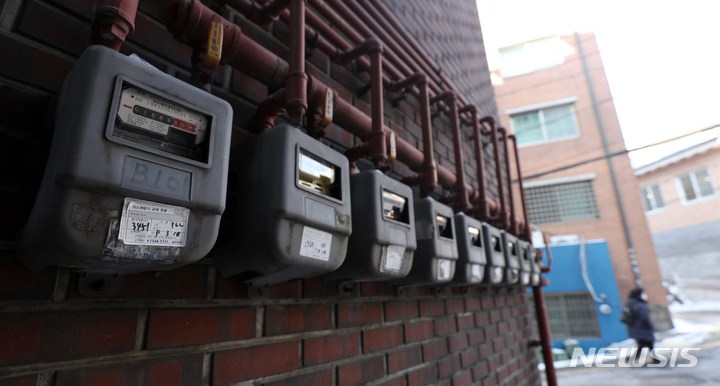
[(416, 79), (367, 47), (114, 21)]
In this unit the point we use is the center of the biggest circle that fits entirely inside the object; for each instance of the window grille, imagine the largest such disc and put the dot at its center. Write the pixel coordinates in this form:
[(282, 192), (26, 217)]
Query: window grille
[(561, 202)]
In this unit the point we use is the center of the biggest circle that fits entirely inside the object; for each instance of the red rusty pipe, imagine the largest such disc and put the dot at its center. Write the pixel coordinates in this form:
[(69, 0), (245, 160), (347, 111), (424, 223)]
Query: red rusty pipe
[(268, 12), (316, 36), (461, 199), (411, 47), (428, 176), (114, 20), (483, 209), (513, 226), (386, 25), (267, 111), (490, 129), (528, 232), (296, 99), (356, 14), (185, 19), (542, 319), (544, 330), (341, 24), (376, 147)]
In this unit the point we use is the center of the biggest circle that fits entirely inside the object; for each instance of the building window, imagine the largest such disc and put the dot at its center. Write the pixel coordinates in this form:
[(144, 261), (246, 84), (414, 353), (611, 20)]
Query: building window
[(533, 56), (695, 186), (572, 315), (652, 198), (561, 202), (545, 125)]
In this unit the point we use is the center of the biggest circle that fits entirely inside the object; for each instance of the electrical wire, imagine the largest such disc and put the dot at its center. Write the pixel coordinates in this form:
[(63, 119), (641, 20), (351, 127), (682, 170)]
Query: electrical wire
[(615, 154)]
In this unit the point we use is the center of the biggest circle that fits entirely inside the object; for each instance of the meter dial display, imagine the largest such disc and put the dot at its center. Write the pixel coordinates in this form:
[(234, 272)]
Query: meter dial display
[(159, 123)]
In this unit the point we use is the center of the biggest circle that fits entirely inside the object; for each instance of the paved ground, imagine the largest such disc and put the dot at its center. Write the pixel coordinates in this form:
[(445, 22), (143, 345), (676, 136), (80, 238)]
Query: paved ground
[(706, 373)]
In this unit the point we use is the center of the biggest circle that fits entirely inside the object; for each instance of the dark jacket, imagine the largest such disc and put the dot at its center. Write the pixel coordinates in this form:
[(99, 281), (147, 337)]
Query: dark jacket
[(641, 327)]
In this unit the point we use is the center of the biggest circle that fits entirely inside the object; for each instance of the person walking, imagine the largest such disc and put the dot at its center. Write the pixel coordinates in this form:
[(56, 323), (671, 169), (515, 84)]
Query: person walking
[(641, 327)]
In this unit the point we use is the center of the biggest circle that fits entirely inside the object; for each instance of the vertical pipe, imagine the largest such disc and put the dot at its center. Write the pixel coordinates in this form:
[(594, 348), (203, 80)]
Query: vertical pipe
[(611, 167), (297, 78), (498, 169), (462, 201), (480, 165), (508, 177), (429, 164), (114, 20), (528, 232), (544, 330), (379, 148)]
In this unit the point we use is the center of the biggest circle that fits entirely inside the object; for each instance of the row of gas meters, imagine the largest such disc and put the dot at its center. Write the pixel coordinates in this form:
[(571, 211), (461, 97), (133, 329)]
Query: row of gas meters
[(137, 181)]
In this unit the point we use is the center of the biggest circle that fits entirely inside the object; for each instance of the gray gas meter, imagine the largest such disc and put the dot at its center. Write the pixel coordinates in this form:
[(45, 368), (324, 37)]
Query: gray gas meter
[(495, 253), (471, 262), (383, 241), (137, 172), (293, 216), (512, 258), (436, 254), (527, 256)]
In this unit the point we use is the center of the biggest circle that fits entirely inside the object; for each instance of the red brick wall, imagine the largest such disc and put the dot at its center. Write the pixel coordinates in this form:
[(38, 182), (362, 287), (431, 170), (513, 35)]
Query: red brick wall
[(190, 326)]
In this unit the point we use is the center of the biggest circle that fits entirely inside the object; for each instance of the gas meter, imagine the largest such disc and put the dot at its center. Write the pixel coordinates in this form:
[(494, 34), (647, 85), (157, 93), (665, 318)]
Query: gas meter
[(527, 256), (137, 172), (293, 217), (436, 254), (471, 262), (383, 240), (495, 253), (512, 258)]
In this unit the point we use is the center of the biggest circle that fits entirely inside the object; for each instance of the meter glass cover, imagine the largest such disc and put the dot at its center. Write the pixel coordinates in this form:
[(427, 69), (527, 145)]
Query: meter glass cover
[(158, 123), (474, 236), (444, 226), (394, 207), (317, 175)]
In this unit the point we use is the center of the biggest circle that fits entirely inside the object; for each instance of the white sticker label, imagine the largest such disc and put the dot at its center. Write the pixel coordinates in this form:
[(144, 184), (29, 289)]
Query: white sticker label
[(393, 258), (150, 223), (476, 272), (444, 270), (315, 244)]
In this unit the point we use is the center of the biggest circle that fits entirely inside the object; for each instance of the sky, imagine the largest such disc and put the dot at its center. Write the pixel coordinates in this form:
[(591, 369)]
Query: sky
[(661, 58)]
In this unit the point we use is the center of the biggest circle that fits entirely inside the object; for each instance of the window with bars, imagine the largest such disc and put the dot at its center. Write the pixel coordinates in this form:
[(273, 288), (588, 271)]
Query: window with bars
[(571, 201), (695, 186), (545, 125), (572, 315), (652, 198)]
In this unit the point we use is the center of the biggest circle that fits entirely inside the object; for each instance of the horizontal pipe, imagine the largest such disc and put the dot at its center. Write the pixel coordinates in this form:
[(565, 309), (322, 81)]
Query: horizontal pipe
[(189, 21)]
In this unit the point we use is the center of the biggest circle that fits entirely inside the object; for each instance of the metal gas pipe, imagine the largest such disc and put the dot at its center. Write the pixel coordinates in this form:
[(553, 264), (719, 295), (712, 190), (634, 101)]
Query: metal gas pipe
[(461, 199), (489, 129), (513, 225), (375, 147), (114, 20), (527, 231), (484, 206), (427, 179)]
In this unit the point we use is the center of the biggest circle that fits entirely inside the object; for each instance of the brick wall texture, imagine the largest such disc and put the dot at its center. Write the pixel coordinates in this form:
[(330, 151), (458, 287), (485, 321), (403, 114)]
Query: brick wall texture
[(190, 326)]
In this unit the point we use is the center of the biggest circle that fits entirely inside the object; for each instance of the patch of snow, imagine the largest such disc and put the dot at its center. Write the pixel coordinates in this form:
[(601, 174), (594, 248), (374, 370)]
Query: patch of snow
[(701, 306)]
